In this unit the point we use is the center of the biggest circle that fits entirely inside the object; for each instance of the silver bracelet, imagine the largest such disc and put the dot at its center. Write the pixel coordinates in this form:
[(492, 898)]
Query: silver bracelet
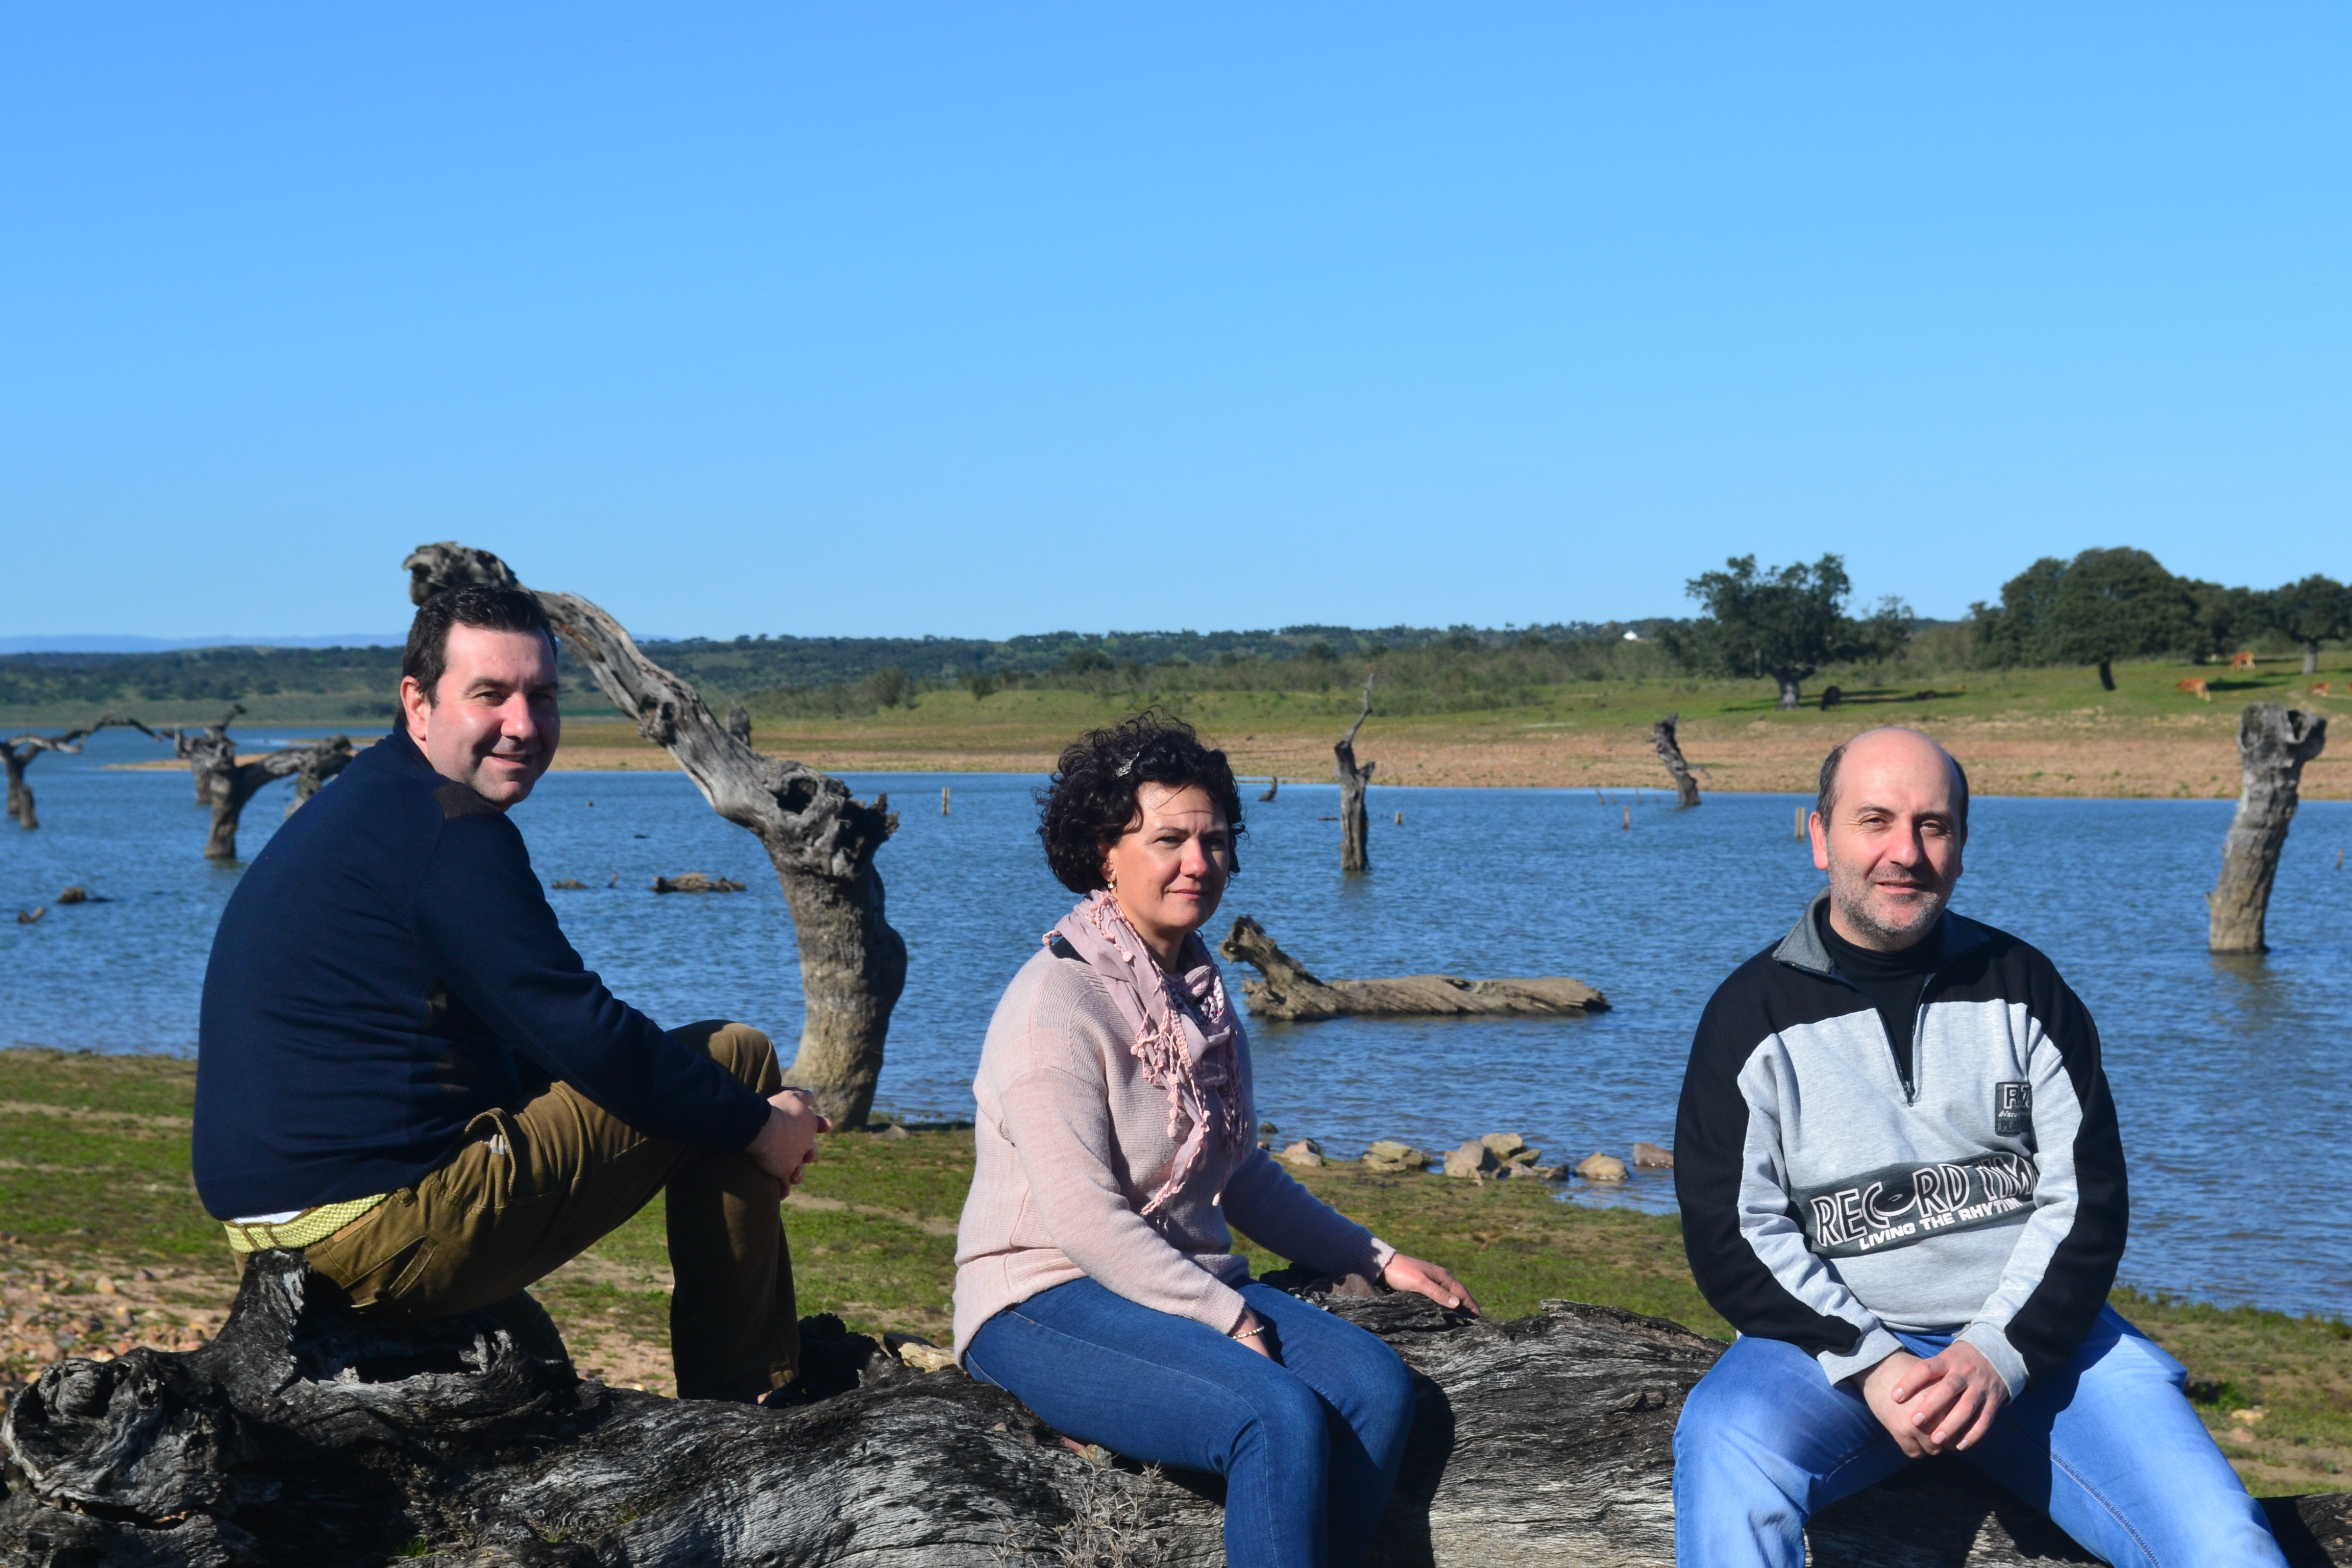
[(1251, 1335)]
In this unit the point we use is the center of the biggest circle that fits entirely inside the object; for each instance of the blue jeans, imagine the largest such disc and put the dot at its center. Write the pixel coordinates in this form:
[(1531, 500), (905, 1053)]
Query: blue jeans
[(1309, 1447), (2109, 1449)]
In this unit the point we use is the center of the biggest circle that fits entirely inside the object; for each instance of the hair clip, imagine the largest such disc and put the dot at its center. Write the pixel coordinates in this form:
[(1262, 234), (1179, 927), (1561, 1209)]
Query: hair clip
[(1123, 769)]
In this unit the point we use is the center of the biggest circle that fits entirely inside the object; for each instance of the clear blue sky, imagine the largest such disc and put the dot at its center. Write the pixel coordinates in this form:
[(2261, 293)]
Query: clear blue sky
[(987, 319)]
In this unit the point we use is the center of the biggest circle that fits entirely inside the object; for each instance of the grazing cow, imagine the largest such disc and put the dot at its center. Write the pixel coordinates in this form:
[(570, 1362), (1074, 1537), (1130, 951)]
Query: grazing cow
[(2239, 661), (2320, 690), (2196, 684)]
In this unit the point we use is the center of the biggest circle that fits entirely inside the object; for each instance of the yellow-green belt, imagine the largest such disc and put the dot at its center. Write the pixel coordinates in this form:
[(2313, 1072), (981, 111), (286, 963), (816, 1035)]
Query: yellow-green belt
[(305, 1229)]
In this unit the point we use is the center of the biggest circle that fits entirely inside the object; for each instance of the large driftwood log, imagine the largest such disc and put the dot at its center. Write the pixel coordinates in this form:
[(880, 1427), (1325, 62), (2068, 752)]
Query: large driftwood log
[(1355, 826), (227, 785), (1670, 752), (821, 840), (2273, 743), (303, 1437), (18, 752), (1289, 991)]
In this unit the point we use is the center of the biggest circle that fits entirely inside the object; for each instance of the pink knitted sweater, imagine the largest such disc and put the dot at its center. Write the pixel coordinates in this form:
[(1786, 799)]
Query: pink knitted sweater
[(1074, 1140)]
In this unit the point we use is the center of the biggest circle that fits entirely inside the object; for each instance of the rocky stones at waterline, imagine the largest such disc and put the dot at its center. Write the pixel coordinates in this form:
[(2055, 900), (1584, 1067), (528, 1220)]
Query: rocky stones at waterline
[(1649, 1157), (1388, 1155), (1498, 1156), (696, 882), (1306, 1152), (568, 885), (76, 894), (1599, 1167)]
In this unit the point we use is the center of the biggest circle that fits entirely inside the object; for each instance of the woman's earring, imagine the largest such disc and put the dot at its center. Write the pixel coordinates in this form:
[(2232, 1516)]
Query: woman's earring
[(1110, 881)]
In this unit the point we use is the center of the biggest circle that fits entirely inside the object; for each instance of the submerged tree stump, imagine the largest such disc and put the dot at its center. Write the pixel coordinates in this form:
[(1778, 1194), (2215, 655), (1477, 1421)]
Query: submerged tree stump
[(17, 752), (307, 1438), (1355, 826), (822, 840), (1289, 991), (2273, 743), (228, 785), (1670, 752)]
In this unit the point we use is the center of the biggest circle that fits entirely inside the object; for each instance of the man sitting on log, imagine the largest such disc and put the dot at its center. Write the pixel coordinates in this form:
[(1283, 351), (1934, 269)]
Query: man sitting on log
[(1902, 1181), (405, 1070)]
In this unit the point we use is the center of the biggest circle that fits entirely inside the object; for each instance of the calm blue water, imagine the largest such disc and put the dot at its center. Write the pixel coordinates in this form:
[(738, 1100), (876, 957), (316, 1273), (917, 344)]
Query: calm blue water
[(2232, 1076)]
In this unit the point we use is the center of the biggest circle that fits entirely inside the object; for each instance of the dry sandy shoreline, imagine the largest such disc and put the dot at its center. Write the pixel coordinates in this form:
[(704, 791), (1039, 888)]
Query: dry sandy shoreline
[(2089, 758)]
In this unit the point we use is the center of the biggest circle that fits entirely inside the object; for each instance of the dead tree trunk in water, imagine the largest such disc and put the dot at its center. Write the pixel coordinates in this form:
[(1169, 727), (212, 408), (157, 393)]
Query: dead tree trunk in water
[(1670, 752), (226, 785), (2274, 742), (1354, 827), (17, 754), (821, 840)]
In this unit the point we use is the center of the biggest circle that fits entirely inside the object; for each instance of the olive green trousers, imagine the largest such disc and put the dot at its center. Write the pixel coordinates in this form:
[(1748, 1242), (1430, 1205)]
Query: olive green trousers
[(529, 1190)]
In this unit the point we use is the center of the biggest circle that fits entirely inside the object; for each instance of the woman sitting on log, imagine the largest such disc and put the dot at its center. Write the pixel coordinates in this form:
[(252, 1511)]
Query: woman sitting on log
[(1094, 1275)]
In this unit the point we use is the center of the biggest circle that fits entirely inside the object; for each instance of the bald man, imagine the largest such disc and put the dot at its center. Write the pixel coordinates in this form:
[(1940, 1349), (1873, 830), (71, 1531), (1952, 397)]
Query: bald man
[(1901, 1181)]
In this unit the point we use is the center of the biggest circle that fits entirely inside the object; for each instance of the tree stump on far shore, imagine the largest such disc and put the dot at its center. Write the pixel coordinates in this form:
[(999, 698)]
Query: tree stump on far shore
[(1355, 826), (303, 1437), (1670, 752), (2273, 743)]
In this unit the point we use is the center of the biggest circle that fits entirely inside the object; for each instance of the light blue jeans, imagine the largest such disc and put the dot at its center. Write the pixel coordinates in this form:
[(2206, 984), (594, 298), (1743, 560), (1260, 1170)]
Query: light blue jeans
[(2109, 1449)]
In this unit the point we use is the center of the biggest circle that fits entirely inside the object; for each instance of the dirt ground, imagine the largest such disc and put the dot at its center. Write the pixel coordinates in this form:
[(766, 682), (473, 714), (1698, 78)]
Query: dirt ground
[(2090, 755)]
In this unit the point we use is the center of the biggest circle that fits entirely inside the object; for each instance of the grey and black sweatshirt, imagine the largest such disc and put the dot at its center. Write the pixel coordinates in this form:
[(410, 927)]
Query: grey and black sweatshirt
[(1826, 1202)]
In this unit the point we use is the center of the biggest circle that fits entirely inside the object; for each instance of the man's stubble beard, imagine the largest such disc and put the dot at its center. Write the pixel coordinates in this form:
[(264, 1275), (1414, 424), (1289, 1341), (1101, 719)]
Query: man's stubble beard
[(1850, 894)]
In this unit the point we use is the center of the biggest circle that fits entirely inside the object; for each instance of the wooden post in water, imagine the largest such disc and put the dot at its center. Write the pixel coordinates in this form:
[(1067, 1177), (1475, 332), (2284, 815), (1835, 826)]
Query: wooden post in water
[(1629, 819), (1272, 784), (943, 800), (2273, 743)]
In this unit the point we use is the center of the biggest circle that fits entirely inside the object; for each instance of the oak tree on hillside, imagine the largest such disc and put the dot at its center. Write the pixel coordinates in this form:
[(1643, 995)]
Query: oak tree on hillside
[(1784, 623), (2103, 606), (2311, 612)]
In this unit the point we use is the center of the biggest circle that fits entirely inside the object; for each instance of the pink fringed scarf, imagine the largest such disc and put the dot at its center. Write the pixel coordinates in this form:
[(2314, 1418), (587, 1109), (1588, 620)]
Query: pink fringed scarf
[(1186, 1034)]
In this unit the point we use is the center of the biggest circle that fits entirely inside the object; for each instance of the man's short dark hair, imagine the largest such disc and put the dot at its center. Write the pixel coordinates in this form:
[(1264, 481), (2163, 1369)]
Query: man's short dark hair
[(468, 604), (1090, 800), (1825, 794)]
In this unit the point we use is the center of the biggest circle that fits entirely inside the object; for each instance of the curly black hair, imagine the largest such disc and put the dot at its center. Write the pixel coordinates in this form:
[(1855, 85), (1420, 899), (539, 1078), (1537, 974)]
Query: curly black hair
[(1090, 799)]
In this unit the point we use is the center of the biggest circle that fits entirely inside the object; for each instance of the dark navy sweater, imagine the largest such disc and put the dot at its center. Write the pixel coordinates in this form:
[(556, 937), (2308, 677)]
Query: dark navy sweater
[(387, 968)]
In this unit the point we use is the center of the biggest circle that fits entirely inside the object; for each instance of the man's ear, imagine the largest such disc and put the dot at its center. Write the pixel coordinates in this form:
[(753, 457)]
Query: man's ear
[(415, 704)]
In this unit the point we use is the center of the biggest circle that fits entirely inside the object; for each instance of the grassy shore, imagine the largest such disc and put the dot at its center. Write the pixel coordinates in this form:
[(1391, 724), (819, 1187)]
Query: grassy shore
[(105, 1247), (2034, 732)]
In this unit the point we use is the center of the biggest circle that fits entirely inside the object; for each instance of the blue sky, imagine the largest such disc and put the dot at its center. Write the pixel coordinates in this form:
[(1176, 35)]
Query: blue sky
[(981, 319)]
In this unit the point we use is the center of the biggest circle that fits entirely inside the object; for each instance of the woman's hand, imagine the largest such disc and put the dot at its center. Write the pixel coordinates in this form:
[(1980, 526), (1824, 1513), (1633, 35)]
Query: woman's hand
[(1251, 1333), (1412, 1274)]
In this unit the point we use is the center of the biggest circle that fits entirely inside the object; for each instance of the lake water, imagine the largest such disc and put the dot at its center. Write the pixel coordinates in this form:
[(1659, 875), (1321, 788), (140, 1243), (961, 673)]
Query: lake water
[(2234, 1077)]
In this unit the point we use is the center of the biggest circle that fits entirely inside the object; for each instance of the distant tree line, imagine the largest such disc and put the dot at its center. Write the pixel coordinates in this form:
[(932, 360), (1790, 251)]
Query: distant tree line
[(1780, 624), (2109, 604)]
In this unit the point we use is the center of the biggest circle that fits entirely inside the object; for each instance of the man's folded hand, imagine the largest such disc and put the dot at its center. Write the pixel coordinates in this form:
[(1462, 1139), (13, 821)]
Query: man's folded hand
[(1937, 1406), (788, 1142)]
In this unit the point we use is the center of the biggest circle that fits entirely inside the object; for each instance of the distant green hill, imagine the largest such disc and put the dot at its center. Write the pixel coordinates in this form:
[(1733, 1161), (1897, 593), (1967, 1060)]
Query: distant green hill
[(355, 686)]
